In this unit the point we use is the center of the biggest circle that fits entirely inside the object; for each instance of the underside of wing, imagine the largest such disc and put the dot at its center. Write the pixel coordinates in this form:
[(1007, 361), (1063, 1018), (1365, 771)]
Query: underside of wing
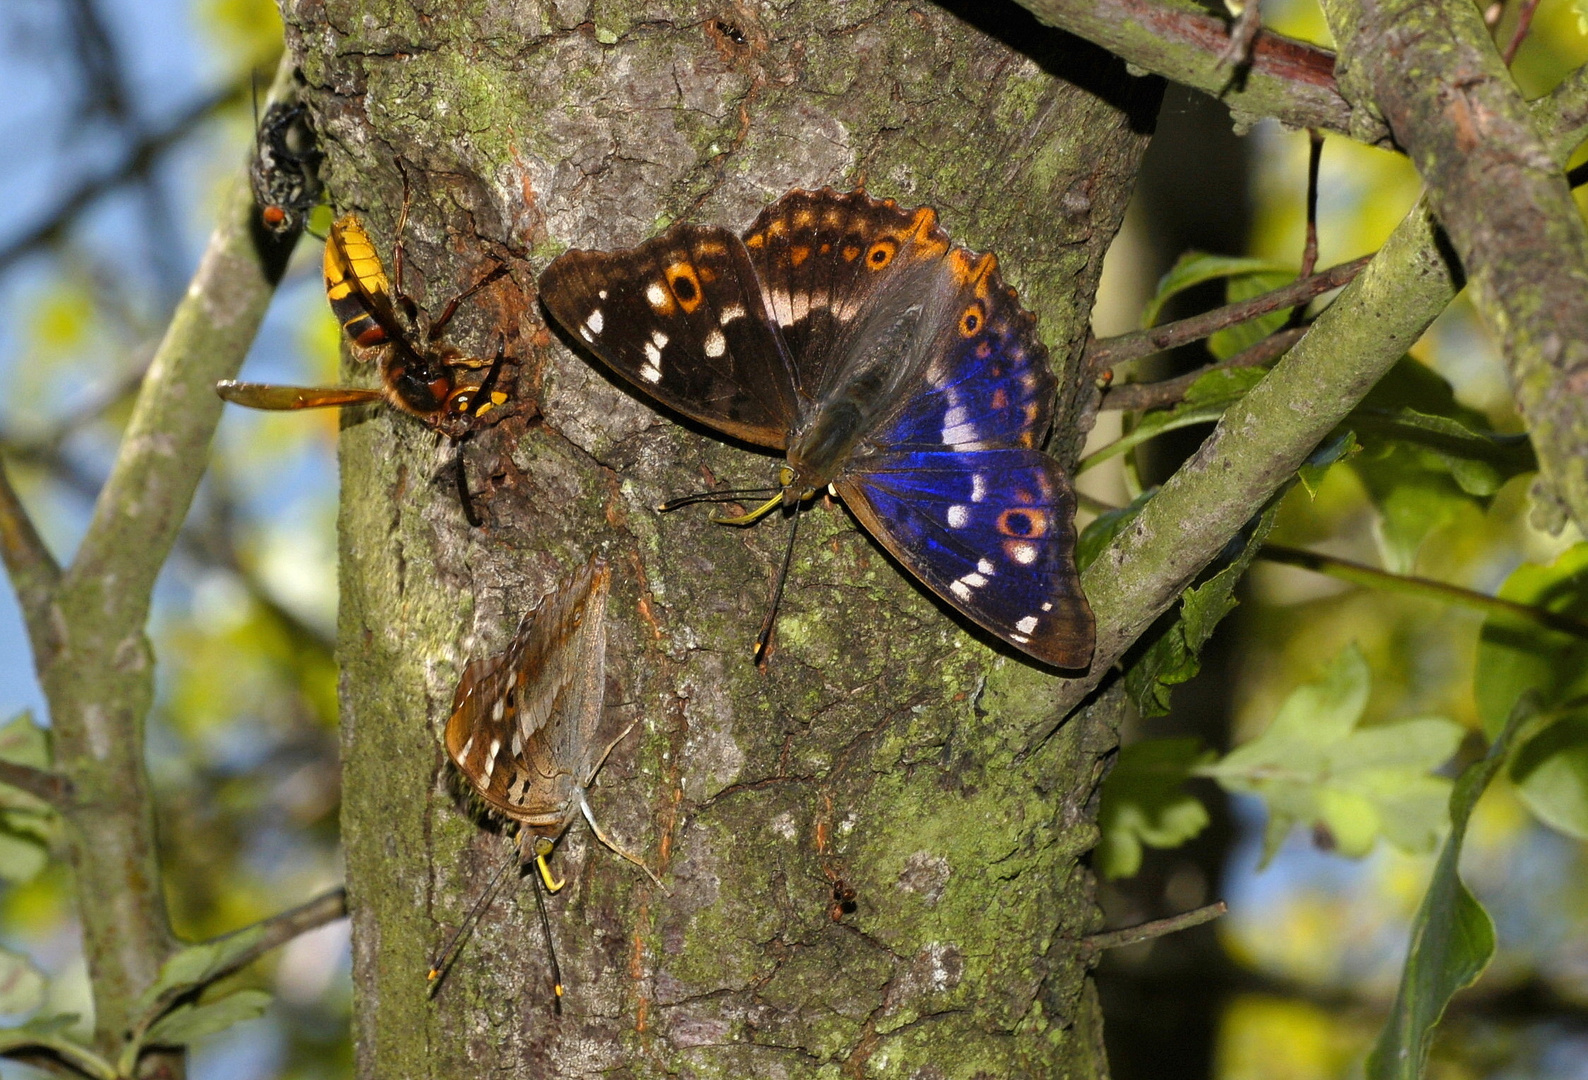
[(992, 533), (269, 396), (682, 318), (523, 727)]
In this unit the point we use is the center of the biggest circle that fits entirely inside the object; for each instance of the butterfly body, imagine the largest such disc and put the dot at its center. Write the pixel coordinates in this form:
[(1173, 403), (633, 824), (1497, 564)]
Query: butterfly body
[(883, 361)]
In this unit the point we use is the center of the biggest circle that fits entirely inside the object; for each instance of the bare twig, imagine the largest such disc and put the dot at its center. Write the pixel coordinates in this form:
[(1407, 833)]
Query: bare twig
[(1524, 22), (33, 570), (1103, 353), (1153, 395), (1238, 53), (1374, 578), (1157, 928), (40, 783), (1309, 249), (137, 161), (281, 928)]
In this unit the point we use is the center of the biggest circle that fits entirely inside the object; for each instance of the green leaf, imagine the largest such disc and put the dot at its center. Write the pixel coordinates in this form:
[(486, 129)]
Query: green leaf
[(1551, 771), (23, 742), (1226, 343), (1143, 803), (1452, 937), (45, 1032), (195, 965), (1319, 462), (21, 984), (1172, 658), (1425, 456), (1314, 766), (1192, 269), (191, 1022), (1101, 531)]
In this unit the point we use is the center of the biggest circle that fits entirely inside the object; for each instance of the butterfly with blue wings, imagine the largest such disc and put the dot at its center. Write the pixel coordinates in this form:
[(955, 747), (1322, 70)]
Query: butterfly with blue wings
[(891, 367)]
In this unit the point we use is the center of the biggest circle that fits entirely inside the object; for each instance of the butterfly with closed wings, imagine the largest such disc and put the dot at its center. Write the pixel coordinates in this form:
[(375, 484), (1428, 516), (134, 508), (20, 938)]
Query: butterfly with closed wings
[(529, 728), (890, 366)]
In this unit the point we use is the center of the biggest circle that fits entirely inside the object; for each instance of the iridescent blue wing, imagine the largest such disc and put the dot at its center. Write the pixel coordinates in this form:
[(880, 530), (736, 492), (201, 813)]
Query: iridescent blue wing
[(987, 383), (992, 532)]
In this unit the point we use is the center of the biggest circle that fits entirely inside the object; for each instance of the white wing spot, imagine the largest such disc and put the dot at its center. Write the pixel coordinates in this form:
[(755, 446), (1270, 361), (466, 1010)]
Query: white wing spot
[(985, 566), (602, 294), (659, 338), (959, 589), (467, 746), (958, 516), (596, 321), (1019, 639), (978, 487), (490, 760), (516, 747), (584, 332), (961, 435), (1027, 624), (730, 313), (716, 344), (975, 581), (654, 355), (955, 416), (1047, 605), (650, 374), (1022, 552), (498, 710), (656, 295)]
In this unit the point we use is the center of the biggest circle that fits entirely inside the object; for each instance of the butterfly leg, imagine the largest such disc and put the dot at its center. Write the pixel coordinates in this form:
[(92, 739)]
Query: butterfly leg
[(589, 816)]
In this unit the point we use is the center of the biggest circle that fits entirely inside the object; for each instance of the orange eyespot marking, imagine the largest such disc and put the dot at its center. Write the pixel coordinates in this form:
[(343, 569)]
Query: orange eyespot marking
[(881, 254), (685, 285), (850, 253), (1021, 522), (707, 274), (970, 321), (825, 248), (755, 240), (799, 254)]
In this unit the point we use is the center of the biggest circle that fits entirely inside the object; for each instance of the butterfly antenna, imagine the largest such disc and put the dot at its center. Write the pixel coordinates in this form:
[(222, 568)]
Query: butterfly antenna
[(551, 949), (449, 952), (730, 495), (764, 638)]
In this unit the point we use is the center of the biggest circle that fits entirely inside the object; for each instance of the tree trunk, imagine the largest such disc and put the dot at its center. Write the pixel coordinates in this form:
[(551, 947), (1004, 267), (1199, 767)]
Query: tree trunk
[(879, 747)]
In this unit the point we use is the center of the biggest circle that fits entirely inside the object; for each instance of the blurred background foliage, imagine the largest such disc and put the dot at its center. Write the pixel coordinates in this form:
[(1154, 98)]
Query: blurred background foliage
[(126, 119)]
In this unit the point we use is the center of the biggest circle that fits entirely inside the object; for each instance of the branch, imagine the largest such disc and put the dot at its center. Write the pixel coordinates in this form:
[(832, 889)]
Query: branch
[(40, 783), (32, 569), (1427, 588), (1157, 928), (1432, 69), (1287, 79), (1138, 396), (1102, 353), (281, 928), (99, 678), (140, 157)]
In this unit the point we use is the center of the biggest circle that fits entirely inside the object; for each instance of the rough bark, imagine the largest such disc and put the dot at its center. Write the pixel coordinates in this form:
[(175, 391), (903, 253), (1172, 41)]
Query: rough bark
[(883, 742)]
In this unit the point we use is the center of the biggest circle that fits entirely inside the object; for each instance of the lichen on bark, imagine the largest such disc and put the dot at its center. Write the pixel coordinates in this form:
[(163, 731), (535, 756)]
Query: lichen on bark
[(884, 745)]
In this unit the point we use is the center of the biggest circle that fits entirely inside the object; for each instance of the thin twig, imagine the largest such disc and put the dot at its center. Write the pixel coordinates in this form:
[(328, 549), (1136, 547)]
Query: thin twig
[(137, 161), (1153, 395), (1238, 53), (34, 573), (1157, 928), (40, 783), (1524, 22), (1406, 584), (1102, 353), (1309, 249), (281, 928)]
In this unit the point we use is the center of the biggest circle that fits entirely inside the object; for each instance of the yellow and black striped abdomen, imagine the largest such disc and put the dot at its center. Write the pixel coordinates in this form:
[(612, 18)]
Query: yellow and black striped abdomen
[(355, 282)]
